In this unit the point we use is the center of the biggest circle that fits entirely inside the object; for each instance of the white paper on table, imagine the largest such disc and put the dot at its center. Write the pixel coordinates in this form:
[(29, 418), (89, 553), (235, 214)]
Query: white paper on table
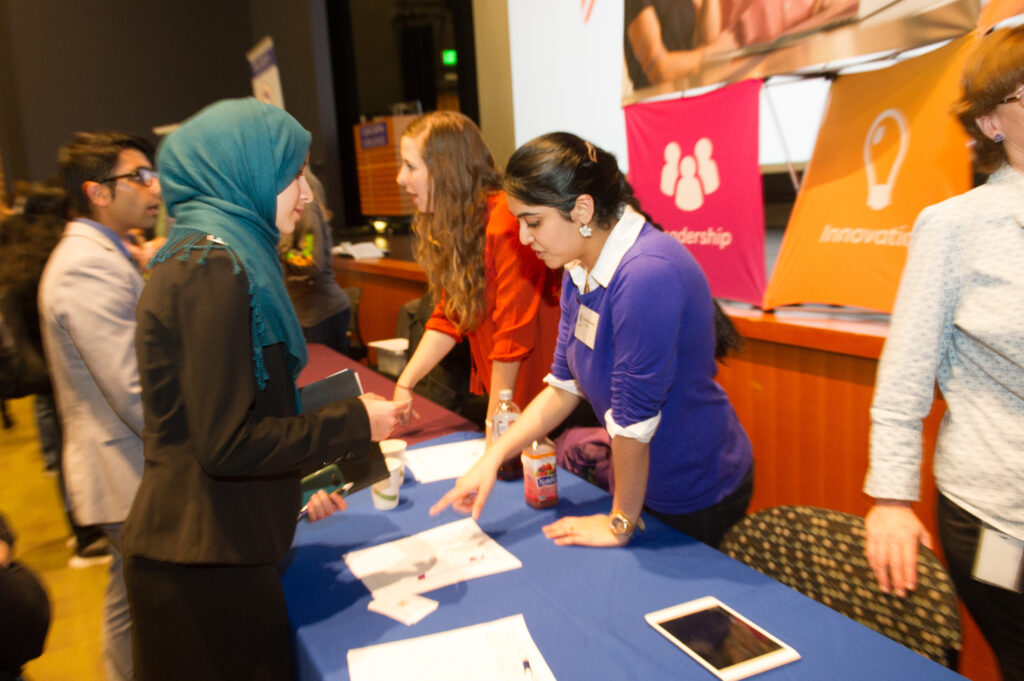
[(498, 650), (443, 462), (397, 346), (408, 609), (429, 560)]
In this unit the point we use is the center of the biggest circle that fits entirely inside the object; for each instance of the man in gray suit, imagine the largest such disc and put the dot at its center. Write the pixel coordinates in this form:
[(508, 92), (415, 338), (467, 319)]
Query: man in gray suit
[(87, 298)]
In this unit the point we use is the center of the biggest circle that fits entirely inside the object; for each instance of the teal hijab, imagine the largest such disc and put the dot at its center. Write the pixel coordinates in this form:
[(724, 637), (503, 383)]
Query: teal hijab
[(220, 174)]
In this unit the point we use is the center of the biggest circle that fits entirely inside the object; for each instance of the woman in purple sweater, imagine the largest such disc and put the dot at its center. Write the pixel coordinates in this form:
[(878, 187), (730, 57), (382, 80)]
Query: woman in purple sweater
[(637, 339)]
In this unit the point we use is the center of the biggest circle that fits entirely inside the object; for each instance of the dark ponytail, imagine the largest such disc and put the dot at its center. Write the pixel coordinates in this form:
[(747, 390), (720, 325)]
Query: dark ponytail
[(726, 336)]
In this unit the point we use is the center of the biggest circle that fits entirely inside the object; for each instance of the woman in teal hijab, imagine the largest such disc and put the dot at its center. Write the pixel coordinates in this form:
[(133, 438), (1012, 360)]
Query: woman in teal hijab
[(219, 348)]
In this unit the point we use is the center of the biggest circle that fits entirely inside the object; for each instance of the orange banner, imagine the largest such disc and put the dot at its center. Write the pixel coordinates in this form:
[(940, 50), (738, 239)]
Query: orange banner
[(888, 147)]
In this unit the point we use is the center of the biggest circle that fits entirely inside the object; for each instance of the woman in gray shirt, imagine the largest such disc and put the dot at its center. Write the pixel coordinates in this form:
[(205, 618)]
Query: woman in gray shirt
[(959, 321)]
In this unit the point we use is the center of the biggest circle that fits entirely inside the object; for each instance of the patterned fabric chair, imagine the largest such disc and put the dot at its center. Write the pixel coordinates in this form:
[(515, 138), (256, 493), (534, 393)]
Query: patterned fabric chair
[(820, 553)]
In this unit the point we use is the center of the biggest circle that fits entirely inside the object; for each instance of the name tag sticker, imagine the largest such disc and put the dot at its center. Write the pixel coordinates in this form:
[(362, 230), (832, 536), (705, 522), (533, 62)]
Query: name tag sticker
[(999, 560), (586, 326)]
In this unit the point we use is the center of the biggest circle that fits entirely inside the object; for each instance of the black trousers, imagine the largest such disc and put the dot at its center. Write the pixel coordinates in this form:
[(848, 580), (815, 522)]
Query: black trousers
[(202, 622), (998, 612), (332, 332), (709, 525)]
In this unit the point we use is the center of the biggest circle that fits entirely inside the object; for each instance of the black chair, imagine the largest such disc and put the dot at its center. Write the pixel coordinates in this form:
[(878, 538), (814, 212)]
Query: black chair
[(820, 553)]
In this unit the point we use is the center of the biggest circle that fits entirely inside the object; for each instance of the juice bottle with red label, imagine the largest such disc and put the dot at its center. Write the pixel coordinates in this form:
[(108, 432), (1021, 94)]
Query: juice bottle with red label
[(540, 475)]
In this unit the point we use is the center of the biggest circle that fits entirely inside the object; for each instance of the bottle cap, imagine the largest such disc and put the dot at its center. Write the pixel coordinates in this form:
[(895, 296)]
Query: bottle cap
[(505, 395)]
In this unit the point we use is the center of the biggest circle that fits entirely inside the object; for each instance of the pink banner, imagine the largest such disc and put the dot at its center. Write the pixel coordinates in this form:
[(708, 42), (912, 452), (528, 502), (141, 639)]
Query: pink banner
[(693, 164)]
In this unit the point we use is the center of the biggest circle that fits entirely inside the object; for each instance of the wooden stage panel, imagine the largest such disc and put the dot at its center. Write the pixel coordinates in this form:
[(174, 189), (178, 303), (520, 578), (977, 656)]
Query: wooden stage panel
[(807, 413), (386, 286)]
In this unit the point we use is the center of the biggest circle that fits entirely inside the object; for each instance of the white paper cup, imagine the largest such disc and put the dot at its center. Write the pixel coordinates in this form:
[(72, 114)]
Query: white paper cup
[(395, 448), (385, 492)]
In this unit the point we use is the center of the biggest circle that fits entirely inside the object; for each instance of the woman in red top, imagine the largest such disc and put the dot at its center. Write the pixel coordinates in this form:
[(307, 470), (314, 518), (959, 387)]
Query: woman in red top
[(492, 289)]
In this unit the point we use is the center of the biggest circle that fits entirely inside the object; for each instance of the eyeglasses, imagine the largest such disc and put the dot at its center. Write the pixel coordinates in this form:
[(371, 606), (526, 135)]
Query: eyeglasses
[(1017, 97), (143, 176)]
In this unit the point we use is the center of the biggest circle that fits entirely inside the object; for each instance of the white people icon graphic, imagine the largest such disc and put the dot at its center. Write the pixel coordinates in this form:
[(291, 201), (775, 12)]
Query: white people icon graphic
[(690, 178)]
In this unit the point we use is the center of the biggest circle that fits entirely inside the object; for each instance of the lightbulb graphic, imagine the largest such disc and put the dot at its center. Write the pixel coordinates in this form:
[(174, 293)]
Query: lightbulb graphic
[(880, 193)]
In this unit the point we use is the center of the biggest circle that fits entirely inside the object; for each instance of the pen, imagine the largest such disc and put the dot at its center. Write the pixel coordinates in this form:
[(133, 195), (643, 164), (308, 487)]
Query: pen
[(342, 490), (423, 575)]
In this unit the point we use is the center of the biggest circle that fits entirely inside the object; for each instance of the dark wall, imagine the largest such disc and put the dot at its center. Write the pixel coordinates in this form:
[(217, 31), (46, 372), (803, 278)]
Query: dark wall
[(114, 64), (68, 65), (375, 49), (302, 47)]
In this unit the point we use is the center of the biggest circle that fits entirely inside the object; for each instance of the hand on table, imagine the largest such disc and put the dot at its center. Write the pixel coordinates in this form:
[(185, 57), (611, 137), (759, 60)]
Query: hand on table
[(591, 530), (404, 395), (322, 504), (383, 415), (471, 490), (893, 533)]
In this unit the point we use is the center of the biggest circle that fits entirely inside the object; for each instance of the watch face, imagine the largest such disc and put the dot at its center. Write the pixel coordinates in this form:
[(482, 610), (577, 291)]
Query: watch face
[(619, 524)]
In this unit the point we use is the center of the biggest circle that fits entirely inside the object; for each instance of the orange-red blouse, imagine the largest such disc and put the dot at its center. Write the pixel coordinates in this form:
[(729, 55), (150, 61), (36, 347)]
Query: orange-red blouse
[(521, 318)]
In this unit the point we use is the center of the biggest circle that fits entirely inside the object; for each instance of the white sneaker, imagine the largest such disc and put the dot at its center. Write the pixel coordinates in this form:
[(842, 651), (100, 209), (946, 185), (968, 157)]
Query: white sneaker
[(96, 553), (77, 562)]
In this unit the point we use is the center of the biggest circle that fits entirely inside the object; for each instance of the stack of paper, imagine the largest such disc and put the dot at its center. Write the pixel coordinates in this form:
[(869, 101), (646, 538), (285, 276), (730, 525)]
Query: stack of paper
[(422, 562), (443, 462), (502, 650), (439, 557)]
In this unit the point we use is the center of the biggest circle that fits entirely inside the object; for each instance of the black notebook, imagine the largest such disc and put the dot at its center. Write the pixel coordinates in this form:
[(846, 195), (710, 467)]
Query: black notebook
[(342, 386)]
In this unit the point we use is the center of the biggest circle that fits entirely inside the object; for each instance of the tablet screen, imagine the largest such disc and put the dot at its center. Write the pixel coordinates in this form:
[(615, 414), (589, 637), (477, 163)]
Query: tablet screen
[(718, 636)]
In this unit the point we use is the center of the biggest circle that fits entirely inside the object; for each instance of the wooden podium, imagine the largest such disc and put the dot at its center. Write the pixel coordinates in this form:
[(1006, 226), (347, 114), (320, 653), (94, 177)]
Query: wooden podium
[(378, 160)]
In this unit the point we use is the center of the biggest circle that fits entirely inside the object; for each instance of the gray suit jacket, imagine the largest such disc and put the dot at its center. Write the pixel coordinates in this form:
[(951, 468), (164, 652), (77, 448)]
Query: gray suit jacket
[(87, 300)]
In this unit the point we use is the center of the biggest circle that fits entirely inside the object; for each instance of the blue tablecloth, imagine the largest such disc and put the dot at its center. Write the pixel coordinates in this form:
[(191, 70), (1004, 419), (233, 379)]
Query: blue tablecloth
[(584, 607)]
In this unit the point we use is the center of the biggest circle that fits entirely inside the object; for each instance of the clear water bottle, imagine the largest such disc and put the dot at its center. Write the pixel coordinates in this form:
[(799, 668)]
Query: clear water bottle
[(504, 414)]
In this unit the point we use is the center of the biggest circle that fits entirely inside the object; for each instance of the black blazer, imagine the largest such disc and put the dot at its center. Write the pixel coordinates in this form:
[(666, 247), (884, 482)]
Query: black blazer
[(223, 458)]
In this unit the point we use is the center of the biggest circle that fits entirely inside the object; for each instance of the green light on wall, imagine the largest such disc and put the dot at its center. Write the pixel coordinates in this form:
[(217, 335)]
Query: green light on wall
[(449, 57)]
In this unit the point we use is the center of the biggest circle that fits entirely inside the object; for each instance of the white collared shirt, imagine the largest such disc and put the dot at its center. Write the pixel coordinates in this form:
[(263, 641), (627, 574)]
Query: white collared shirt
[(621, 239)]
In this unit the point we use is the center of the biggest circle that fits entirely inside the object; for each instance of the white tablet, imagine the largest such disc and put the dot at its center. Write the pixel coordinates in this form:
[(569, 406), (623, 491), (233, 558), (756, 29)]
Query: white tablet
[(728, 644)]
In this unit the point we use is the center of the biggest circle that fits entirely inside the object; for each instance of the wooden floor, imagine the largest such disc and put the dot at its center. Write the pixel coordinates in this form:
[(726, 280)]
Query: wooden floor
[(31, 502)]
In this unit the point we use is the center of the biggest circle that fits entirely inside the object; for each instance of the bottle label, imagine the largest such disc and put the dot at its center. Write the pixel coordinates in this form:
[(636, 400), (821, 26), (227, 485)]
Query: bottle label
[(501, 424), (546, 475), (540, 480)]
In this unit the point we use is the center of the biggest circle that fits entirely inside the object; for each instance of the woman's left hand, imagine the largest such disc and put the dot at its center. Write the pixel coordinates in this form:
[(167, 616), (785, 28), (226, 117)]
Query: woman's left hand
[(322, 504), (591, 530)]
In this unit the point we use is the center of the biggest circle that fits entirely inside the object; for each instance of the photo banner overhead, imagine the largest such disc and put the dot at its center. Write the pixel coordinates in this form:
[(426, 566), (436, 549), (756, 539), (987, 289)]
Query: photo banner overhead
[(762, 38)]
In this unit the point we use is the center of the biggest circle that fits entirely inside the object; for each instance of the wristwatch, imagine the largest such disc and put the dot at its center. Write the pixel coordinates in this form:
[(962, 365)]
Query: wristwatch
[(621, 526)]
